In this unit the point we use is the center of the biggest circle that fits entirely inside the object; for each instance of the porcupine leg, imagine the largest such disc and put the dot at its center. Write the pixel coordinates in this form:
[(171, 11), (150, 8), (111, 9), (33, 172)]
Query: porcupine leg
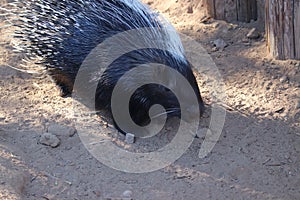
[(63, 81)]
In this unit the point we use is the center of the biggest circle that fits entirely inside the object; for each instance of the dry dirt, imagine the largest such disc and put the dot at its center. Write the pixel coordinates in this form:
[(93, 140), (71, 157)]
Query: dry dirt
[(257, 156)]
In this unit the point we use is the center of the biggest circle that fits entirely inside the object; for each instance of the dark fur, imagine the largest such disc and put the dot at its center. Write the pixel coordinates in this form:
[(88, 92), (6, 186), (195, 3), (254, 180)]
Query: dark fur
[(64, 42)]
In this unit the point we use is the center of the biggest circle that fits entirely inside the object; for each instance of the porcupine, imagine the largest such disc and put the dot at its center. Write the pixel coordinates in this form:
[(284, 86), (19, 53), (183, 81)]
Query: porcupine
[(63, 33)]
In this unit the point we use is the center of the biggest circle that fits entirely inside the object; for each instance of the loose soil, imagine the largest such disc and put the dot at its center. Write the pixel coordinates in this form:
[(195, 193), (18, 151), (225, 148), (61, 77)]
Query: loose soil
[(256, 157)]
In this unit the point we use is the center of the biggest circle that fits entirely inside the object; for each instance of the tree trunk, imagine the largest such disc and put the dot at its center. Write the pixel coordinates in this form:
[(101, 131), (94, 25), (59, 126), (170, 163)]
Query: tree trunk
[(283, 28), (232, 10)]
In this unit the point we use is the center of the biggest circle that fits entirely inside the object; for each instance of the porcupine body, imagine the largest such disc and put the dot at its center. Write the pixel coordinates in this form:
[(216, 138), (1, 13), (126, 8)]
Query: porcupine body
[(63, 33)]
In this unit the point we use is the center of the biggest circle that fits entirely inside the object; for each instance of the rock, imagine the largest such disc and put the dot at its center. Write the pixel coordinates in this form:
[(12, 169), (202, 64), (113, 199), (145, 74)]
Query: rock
[(283, 79), (233, 26), (245, 40), (127, 195), (202, 132), (97, 193), (220, 44), (105, 124), (129, 139), (61, 130), (253, 34), (2, 117), (49, 139), (214, 49)]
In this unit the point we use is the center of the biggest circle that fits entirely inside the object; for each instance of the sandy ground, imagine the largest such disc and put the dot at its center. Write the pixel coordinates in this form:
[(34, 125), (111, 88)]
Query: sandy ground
[(257, 156)]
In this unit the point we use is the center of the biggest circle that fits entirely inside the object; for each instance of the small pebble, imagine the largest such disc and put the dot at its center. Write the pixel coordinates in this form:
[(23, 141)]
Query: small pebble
[(214, 49), (105, 124), (233, 26), (245, 40), (283, 79), (49, 139), (127, 194), (203, 132), (97, 193), (220, 44), (129, 139), (2, 117)]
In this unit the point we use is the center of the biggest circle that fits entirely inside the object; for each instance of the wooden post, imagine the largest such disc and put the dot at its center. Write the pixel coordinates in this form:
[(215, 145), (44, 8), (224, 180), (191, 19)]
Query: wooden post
[(283, 28), (261, 8), (232, 10)]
